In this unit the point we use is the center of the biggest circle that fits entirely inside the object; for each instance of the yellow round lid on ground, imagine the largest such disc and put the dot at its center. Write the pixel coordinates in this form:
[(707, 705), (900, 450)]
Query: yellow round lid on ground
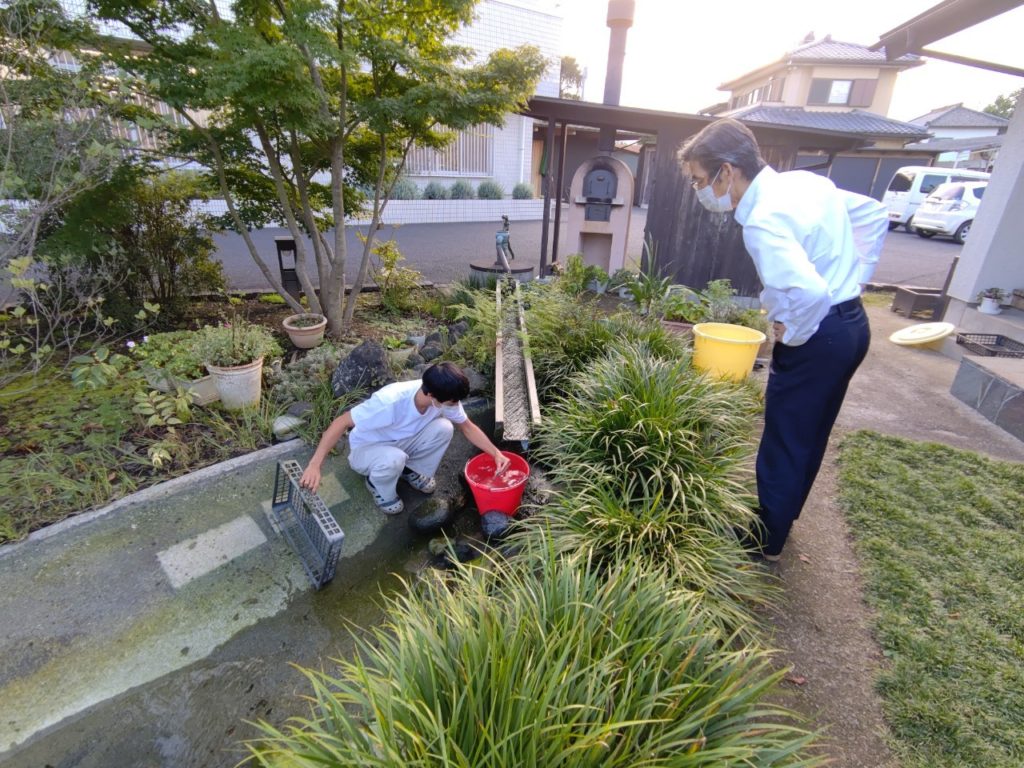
[(925, 333)]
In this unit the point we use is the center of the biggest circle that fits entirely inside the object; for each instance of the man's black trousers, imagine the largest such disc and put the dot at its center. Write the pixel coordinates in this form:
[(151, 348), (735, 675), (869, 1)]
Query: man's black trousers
[(806, 387)]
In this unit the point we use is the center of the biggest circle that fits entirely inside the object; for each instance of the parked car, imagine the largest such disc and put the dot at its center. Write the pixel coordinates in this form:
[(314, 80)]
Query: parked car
[(911, 184), (950, 210)]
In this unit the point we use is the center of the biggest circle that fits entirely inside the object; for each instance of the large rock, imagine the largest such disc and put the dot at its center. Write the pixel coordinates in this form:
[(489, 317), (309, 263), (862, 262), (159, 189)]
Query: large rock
[(432, 515), (478, 384), (430, 351), (367, 367), (457, 330), (494, 525)]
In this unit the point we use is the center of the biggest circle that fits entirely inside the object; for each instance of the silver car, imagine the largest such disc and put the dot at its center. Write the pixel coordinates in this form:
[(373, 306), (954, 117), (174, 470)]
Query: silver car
[(950, 210)]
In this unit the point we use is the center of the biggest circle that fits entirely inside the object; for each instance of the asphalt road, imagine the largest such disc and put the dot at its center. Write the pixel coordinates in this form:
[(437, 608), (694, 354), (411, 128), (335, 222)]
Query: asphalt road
[(442, 252)]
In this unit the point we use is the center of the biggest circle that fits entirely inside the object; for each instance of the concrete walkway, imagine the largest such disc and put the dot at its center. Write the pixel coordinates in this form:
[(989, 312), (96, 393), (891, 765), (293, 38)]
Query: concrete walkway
[(145, 633)]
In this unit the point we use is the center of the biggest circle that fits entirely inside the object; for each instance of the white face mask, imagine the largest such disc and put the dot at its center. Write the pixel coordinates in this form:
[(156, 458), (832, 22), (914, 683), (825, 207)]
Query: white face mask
[(711, 201)]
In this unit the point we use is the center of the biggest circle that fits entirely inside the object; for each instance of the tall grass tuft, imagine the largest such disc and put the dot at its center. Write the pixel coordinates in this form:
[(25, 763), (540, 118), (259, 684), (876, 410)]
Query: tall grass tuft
[(655, 428), (548, 660), (643, 528)]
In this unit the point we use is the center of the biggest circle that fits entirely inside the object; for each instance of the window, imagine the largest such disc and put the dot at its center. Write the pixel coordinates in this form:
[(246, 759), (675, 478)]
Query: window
[(839, 92), (902, 182), (469, 154), (949, 192), (930, 182), (978, 192), (853, 93)]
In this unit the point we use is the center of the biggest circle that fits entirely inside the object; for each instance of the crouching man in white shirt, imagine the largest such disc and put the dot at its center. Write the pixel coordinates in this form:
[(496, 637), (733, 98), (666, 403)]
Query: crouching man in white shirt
[(402, 432), (814, 246)]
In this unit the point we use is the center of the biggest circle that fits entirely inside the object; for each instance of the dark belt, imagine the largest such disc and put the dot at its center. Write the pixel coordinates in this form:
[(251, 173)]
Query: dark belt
[(844, 307)]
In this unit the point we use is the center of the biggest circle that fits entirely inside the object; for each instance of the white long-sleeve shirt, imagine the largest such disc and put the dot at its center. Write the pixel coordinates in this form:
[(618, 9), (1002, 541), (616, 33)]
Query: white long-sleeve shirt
[(813, 245)]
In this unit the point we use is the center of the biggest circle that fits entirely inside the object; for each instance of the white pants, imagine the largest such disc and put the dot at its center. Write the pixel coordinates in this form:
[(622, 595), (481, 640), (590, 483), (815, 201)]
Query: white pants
[(422, 453)]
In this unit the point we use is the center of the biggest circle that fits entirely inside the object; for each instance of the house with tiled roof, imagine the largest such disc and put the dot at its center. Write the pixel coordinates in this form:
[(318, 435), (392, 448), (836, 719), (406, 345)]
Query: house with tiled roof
[(832, 85), (965, 137)]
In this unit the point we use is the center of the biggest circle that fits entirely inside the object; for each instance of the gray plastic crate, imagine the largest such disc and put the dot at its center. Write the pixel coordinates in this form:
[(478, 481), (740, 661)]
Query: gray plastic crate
[(307, 524)]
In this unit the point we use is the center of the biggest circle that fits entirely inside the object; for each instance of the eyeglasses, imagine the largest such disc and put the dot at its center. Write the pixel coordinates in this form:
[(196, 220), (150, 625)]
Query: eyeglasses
[(699, 184)]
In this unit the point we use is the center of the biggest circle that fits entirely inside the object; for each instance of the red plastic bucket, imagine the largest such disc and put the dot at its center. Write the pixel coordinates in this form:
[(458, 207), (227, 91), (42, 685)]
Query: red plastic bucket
[(501, 493)]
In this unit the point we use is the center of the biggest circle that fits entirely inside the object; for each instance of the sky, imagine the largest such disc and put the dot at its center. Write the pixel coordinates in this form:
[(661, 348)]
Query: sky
[(679, 51)]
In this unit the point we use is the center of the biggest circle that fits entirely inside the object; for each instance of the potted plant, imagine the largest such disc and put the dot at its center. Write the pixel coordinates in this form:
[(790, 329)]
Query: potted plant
[(233, 353), (168, 361), (306, 329), (619, 282), (988, 300)]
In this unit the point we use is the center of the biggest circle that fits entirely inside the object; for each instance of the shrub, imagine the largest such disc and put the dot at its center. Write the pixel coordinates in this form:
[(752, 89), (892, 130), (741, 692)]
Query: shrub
[(490, 190), (141, 239), (404, 189), (715, 304), (522, 191), (462, 190), (396, 283), (435, 191), (298, 381), (236, 343), (171, 353), (564, 663), (566, 333)]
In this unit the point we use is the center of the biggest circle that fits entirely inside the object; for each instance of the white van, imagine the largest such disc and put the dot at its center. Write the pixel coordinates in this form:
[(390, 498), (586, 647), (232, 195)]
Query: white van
[(911, 184)]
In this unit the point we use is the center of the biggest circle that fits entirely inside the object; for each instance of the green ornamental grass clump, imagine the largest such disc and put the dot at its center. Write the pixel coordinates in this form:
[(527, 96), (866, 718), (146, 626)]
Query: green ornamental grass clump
[(490, 190), (548, 660), (462, 190), (654, 460), (522, 191), (435, 191)]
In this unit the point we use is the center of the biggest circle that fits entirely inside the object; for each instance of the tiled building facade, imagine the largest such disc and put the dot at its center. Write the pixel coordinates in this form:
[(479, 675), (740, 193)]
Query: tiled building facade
[(503, 155)]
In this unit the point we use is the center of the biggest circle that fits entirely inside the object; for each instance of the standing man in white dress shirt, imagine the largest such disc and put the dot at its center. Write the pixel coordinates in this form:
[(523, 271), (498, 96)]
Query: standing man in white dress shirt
[(813, 246)]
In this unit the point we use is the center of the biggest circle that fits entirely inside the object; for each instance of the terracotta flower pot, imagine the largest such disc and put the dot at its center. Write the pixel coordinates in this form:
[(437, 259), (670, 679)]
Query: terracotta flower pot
[(302, 333)]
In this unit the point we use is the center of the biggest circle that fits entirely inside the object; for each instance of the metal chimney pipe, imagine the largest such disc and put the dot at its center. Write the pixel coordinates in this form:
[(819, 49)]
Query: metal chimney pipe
[(620, 19)]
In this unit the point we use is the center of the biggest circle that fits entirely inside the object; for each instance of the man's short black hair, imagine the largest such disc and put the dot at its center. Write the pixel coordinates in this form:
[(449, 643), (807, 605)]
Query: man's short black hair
[(446, 382)]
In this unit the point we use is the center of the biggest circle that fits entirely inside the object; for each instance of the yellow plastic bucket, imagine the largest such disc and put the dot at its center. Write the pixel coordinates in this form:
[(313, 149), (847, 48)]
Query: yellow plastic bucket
[(725, 350)]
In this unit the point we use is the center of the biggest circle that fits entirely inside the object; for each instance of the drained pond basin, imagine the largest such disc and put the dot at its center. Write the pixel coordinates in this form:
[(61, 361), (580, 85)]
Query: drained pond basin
[(148, 633)]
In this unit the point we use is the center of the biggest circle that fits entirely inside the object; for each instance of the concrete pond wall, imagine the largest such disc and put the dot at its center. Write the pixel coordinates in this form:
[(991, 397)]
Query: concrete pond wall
[(148, 632)]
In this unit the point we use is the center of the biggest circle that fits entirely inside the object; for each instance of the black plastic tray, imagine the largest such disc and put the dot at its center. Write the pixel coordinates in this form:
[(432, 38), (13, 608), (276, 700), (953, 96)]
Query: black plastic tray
[(990, 344)]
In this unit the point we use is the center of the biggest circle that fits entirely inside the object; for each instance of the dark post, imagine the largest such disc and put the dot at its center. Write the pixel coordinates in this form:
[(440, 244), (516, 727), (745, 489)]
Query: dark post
[(549, 146), (560, 181), (289, 277)]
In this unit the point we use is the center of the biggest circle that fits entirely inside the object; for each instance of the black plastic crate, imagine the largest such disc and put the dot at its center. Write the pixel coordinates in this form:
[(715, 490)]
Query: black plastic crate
[(990, 344)]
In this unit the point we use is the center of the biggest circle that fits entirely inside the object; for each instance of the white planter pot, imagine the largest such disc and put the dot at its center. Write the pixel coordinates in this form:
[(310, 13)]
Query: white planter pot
[(304, 337), (989, 306), (239, 386)]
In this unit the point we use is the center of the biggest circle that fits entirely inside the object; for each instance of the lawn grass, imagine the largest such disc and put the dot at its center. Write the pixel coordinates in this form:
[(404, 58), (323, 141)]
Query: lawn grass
[(941, 535)]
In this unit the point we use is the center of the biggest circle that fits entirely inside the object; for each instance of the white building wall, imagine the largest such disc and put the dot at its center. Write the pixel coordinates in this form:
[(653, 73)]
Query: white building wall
[(510, 24), (963, 133)]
